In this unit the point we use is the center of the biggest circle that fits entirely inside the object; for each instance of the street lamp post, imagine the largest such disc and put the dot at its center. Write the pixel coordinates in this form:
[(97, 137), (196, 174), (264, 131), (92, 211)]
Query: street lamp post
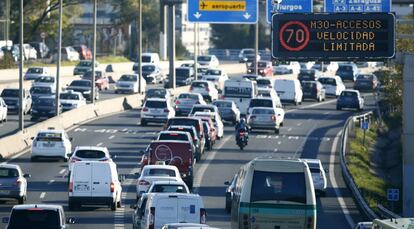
[(59, 56), (21, 108), (139, 54), (92, 98)]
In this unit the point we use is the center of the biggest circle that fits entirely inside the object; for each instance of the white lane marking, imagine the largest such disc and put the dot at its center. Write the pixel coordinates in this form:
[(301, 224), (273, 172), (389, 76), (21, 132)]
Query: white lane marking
[(299, 124), (202, 169), (275, 150), (310, 106), (290, 129), (111, 137), (279, 142), (125, 129), (51, 182), (99, 144), (42, 195), (326, 113), (62, 171), (332, 179)]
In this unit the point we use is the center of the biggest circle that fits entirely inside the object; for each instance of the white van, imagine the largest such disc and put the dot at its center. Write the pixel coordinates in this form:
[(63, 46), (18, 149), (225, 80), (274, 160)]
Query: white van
[(95, 183), (277, 193), (163, 208), (333, 85), (289, 90), (150, 58), (240, 91)]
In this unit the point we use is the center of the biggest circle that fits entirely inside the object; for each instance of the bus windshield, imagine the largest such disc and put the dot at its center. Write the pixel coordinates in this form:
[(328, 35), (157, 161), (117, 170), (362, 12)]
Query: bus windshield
[(240, 92)]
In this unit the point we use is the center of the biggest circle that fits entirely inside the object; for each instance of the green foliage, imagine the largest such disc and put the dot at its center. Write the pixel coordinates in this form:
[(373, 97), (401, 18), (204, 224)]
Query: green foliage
[(7, 61), (238, 36)]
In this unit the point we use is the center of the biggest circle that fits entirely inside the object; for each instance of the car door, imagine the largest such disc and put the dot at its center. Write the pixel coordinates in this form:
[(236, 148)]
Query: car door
[(81, 179), (188, 210), (101, 179)]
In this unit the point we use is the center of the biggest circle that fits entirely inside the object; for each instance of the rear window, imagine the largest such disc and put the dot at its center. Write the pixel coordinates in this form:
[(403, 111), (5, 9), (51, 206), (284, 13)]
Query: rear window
[(349, 94), (128, 78), (146, 59), (8, 173), (168, 188), (239, 92), (263, 112), (10, 93), (344, 68), (81, 83), (222, 104), (365, 77), (85, 64), (161, 172), (46, 79), (36, 218), (278, 186), (261, 103), (188, 96), (204, 58), (261, 64), (188, 130), (173, 136), (148, 68), (308, 85), (202, 109), (49, 137), (199, 84), (90, 154), (40, 90), (263, 82), (213, 72), (35, 70), (69, 96), (156, 104), (327, 81), (156, 93)]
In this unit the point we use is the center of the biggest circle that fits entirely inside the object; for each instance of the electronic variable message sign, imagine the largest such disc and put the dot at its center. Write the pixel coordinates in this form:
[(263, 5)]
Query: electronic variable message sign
[(338, 36)]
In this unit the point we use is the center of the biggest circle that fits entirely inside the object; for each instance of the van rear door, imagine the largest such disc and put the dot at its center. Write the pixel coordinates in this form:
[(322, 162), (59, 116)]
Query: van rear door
[(188, 210), (166, 211), (101, 179), (81, 179)]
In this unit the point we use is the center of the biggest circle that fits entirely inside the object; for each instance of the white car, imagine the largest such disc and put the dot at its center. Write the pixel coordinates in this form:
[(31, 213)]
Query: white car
[(89, 153), (216, 76), (264, 102), (265, 83), (129, 83), (333, 85), (45, 81), (71, 100), (51, 143), (267, 92), (168, 186), (152, 173), (292, 65), (70, 54), (205, 88), (289, 90), (215, 117), (156, 110), (3, 110), (318, 175), (29, 52), (208, 60), (33, 73)]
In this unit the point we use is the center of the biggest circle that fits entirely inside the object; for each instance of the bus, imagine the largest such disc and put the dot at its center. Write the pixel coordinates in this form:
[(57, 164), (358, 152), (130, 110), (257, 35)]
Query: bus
[(398, 223), (274, 193), (241, 91)]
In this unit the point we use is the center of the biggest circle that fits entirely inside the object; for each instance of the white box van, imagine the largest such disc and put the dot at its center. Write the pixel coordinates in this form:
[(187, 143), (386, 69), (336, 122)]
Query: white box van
[(163, 208), (95, 183), (240, 92), (150, 58), (289, 90)]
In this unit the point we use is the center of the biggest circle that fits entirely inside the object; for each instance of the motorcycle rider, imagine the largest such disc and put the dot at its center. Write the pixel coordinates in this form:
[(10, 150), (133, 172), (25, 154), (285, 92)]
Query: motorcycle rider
[(241, 126)]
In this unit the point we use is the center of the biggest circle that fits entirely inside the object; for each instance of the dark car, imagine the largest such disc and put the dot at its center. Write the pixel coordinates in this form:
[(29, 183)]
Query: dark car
[(264, 68), (366, 82), (84, 52), (229, 192), (198, 142), (187, 121), (347, 71), (84, 87), (350, 99), (228, 110), (183, 77), (44, 107), (247, 55), (41, 48), (151, 73), (308, 75), (11, 98), (101, 80), (313, 90), (161, 93)]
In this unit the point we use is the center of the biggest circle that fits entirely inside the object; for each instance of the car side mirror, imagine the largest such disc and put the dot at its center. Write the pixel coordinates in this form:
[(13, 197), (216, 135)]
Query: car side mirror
[(226, 183), (5, 220), (133, 206), (70, 220), (70, 154), (26, 175)]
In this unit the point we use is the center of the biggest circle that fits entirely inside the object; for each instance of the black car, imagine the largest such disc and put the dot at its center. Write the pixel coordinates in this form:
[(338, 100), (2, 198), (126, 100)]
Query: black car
[(227, 110), (229, 192), (313, 90), (347, 71), (84, 87), (308, 75), (366, 82), (183, 77), (151, 73), (44, 107)]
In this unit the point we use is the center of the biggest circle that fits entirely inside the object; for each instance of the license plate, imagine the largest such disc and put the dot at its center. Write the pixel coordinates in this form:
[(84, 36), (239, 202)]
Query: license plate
[(82, 187), (4, 192), (156, 111), (48, 144), (11, 107), (307, 93)]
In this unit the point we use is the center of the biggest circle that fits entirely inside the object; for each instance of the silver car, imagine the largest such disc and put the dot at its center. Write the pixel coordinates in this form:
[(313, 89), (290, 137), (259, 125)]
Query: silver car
[(318, 175), (185, 102), (264, 118), (13, 184)]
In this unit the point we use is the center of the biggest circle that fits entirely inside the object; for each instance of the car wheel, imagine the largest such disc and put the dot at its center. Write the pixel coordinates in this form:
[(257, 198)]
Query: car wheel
[(72, 206), (281, 124), (143, 122), (21, 199), (118, 204), (33, 159), (277, 131), (228, 207), (65, 159), (113, 206), (338, 108)]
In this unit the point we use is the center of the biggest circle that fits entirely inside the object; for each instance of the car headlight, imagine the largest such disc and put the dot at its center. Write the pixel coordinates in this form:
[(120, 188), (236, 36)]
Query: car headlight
[(245, 59)]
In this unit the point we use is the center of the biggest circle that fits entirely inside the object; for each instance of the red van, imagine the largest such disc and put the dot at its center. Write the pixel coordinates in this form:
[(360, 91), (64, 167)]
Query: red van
[(177, 153)]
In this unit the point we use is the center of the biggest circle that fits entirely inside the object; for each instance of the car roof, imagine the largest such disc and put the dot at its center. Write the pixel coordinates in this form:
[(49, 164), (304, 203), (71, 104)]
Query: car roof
[(51, 131), (46, 97), (262, 98), (181, 127), (171, 167), (262, 108), (41, 206), (173, 132), (204, 105), (312, 161), (80, 80), (179, 118), (176, 182), (9, 166), (97, 148), (156, 99), (350, 90), (223, 100)]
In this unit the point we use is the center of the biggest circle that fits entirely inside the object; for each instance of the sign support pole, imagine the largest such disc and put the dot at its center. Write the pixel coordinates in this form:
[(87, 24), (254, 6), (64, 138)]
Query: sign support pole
[(21, 108), (256, 46), (171, 44), (92, 98), (59, 60), (139, 45), (195, 49)]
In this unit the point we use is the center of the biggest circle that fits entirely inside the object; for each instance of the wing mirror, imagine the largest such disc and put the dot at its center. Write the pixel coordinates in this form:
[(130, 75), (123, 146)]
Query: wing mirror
[(26, 175)]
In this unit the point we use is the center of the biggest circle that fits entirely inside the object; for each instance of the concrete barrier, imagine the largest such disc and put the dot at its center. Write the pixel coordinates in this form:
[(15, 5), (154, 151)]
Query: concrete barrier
[(21, 141)]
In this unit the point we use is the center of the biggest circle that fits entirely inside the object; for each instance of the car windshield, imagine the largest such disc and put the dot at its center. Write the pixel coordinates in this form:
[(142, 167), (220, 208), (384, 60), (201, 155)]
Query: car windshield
[(148, 68), (173, 136), (308, 85), (327, 81), (161, 172), (248, 51), (45, 102), (222, 104), (49, 137), (213, 72), (10, 93), (41, 90), (88, 75), (146, 59), (45, 79), (349, 94), (128, 78), (81, 83), (188, 96), (156, 93), (261, 64), (263, 82), (90, 154), (199, 84), (85, 64), (35, 70), (261, 103), (8, 172), (344, 68), (34, 218), (182, 72), (263, 112), (204, 58), (69, 96), (239, 92), (168, 188), (264, 93), (365, 77), (155, 104), (278, 186)]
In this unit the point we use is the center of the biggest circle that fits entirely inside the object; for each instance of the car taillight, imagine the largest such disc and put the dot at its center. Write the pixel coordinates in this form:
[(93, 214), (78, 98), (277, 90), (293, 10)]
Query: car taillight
[(191, 88), (274, 117), (309, 223), (145, 109), (177, 102), (103, 160), (241, 133), (190, 161), (166, 110), (203, 215), (17, 183), (71, 187), (143, 182), (74, 159), (207, 89), (112, 187), (222, 97), (151, 218)]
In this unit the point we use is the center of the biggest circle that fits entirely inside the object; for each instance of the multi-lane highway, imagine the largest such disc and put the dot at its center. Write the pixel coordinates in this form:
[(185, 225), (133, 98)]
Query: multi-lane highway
[(310, 131)]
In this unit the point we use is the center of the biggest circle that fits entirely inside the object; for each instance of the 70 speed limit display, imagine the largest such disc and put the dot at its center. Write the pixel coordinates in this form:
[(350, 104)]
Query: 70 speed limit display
[(337, 36)]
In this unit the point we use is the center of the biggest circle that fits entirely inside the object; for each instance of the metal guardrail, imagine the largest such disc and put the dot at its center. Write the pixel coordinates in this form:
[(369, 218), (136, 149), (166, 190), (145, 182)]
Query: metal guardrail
[(233, 54), (387, 214), (350, 123)]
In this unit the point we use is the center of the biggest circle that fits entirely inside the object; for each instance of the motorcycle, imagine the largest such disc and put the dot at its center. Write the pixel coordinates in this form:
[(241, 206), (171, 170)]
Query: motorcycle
[(242, 139)]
